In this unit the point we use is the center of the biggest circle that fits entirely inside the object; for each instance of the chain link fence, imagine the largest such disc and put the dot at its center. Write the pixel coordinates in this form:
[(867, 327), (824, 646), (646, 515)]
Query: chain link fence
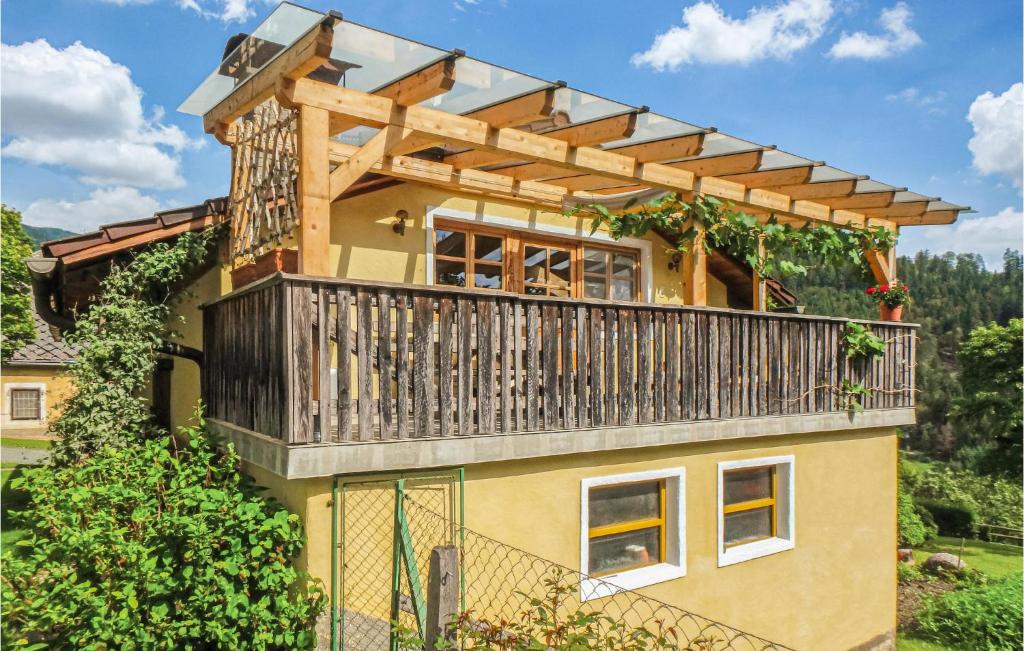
[(500, 584)]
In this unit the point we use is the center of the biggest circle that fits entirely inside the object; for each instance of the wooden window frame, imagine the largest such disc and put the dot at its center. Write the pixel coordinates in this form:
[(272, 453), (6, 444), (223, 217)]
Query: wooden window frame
[(513, 254), (470, 231), (632, 525), (608, 274), (750, 505), (37, 401)]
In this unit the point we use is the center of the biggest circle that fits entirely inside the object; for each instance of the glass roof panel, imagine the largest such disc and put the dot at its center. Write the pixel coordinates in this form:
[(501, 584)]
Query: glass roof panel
[(280, 29), (575, 106), (652, 126), (825, 173), (367, 59), (479, 84), (717, 144), (904, 197), (871, 185), (773, 159)]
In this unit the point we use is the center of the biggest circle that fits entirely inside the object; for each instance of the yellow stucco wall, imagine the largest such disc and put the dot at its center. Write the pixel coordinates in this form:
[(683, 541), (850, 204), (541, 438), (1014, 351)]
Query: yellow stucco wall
[(55, 385), (836, 589)]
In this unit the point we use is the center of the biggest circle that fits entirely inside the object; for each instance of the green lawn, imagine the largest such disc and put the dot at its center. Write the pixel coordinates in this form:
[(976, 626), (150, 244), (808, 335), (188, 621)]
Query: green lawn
[(39, 444), (993, 559), (904, 643)]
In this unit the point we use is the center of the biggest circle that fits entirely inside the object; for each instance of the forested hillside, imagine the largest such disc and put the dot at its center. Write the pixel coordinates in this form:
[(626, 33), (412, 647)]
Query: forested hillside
[(951, 294), (40, 234)]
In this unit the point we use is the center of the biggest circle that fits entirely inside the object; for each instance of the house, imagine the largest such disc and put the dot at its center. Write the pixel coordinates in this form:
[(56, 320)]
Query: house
[(34, 383), (411, 344)]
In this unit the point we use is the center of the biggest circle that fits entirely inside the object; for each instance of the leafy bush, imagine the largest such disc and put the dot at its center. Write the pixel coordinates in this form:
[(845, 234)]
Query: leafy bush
[(994, 501), (159, 545), (119, 338), (17, 327), (984, 617), (912, 531), (951, 519), (906, 573)]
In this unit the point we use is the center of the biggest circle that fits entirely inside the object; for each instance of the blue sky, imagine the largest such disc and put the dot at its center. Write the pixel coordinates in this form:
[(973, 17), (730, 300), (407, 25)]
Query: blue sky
[(879, 88)]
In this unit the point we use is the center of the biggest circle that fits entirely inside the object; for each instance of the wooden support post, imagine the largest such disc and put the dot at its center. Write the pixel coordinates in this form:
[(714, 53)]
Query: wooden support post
[(760, 298), (878, 262), (442, 595), (314, 202), (695, 272)]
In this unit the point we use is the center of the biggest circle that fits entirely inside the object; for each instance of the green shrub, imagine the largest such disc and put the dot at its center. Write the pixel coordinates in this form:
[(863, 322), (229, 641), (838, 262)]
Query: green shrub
[(162, 544), (994, 501), (951, 519), (912, 530), (984, 617), (907, 573)]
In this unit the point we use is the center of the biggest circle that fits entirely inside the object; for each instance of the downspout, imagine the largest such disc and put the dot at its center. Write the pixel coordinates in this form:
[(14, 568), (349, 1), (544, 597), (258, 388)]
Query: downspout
[(43, 272)]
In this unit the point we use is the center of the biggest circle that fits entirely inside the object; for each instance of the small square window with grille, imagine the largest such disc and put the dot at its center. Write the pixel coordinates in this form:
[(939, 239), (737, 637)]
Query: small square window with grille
[(25, 404)]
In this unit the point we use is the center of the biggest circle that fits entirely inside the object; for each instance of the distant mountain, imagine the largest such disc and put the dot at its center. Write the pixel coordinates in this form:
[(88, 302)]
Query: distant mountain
[(40, 234)]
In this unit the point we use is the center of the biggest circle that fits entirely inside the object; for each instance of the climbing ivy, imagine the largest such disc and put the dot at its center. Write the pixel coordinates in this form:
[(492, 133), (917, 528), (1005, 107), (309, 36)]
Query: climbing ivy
[(771, 248), (118, 338)]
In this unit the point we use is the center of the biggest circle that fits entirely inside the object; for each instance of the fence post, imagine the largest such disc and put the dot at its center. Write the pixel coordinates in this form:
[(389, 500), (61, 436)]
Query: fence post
[(442, 595)]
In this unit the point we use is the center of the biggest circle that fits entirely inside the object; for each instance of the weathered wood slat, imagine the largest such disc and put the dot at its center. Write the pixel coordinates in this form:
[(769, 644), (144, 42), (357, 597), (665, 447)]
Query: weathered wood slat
[(384, 364), (611, 407), (644, 408), (532, 367), (323, 351), (505, 353), (485, 333), (658, 337), (465, 373), (300, 342), (519, 388), (364, 367), (582, 365), (676, 396), (567, 367), (597, 414), (549, 359), (423, 364), (627, 370), (445, 323), (343, 297), (402, 364)]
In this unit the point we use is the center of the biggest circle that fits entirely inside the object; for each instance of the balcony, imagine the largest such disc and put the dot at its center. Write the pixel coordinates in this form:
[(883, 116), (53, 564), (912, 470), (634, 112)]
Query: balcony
[(421, 367)]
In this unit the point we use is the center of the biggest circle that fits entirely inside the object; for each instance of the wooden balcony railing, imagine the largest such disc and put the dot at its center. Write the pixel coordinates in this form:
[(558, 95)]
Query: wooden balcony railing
[(418, 361)]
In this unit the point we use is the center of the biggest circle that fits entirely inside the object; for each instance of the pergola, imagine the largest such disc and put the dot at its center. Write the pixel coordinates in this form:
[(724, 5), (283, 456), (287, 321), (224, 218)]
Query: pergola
[(362, 101)]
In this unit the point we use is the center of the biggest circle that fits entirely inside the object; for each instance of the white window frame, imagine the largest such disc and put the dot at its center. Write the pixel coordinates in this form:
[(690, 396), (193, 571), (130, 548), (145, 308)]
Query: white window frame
[(644, 248), (674, 566), (785, 510), (8, 412)]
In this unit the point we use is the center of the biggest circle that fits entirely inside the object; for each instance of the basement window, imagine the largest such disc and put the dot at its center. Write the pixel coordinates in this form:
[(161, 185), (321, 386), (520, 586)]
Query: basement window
[(755, 508), (632, 531)]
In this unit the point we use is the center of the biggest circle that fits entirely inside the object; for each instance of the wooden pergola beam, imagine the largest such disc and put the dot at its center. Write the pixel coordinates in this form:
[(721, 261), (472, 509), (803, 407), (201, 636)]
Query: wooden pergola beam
[(862, 200), (766, 178), (903, 209), (360, 162), (734, 163), (379, 111), (429, 81), (930, 218), (445, 175), (585, 134), (308, 53), (818, 190)]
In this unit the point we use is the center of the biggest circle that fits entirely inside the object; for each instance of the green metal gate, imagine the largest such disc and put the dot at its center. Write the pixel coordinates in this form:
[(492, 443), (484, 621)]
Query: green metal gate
[(384, 530)]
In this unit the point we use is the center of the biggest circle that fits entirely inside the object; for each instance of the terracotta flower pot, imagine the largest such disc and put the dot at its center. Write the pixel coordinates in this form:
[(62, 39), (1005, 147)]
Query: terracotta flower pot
[(891, 313)]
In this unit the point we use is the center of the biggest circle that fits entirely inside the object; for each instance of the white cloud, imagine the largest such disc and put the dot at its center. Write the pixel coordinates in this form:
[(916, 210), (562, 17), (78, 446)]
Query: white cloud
[(75, 108), (898, 37), (228, 11), (709, 36), (931, 103), (997, 144), (104, 205), (988, 236)]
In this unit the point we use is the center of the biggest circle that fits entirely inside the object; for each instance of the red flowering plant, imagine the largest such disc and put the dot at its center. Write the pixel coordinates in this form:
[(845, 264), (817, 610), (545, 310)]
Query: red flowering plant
[(892, 294)]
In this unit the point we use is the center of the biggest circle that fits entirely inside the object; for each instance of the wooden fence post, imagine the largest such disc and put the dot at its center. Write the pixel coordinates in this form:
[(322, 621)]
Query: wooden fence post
[(442, 595)]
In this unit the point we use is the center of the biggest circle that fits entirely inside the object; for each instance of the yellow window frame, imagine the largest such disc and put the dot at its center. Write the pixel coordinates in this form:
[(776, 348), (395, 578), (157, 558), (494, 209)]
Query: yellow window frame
[(633, 525), (771, 501)]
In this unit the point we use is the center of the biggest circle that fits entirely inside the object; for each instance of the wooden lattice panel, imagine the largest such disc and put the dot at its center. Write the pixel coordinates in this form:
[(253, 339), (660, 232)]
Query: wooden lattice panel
[(264, 168)]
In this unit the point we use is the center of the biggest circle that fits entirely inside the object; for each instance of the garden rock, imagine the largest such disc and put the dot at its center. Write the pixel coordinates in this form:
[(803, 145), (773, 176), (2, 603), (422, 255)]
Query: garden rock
[(943, 561)]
